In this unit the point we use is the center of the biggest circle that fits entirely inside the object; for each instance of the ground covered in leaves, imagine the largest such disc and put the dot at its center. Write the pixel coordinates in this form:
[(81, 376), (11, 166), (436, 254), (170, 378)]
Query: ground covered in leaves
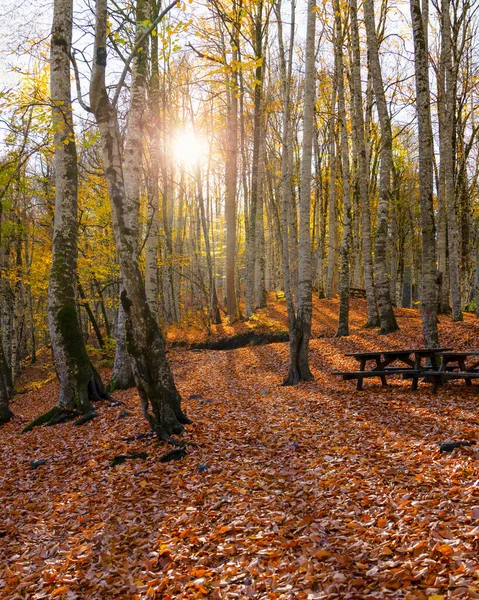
[(317, 491)]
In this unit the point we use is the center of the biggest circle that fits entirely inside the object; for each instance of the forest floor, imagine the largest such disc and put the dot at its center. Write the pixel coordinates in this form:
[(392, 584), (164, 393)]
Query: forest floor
[(317, 491)]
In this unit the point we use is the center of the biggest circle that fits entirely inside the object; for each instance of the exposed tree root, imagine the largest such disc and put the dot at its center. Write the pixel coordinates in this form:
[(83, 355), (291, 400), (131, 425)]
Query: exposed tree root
[(52, 417), (164, 437), (85, 418)]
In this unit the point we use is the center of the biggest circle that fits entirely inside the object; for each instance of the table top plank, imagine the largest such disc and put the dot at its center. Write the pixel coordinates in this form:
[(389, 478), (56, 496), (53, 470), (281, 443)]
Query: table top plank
[(378, 353), (466, 353)]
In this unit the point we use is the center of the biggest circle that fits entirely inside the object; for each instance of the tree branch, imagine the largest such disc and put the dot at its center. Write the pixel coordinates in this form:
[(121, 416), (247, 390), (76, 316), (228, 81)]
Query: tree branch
[(137, 46)]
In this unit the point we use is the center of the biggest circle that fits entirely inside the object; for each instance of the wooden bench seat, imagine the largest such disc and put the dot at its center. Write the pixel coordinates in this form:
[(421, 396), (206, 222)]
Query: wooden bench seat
[(438, 377), (360, 375)]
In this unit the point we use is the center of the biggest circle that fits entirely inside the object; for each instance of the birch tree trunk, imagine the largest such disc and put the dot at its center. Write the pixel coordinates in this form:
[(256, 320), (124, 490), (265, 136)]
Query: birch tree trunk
[(161, 402), (255, 167), (386, 313), (423, 100), (230, 200), (260, 279), (286, 158), (331, 264), (122, 377), (363, 176), (300, 328), (213, 304), (80, 383), (343, 322), (446, 133), (151, 243)]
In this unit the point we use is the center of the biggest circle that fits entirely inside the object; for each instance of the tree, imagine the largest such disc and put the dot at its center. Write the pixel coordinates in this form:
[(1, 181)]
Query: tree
[(423, 100), (300, 323), (363, 174), (146, 345), (343, 324), (6, 389), (386, 313), (80, 383), (447, 113)]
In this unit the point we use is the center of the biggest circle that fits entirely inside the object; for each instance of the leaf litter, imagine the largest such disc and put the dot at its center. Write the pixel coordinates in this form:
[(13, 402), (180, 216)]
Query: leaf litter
[(313, 492)]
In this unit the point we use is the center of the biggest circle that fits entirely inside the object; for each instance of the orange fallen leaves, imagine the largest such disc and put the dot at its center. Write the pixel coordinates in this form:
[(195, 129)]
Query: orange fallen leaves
[(317, 491)]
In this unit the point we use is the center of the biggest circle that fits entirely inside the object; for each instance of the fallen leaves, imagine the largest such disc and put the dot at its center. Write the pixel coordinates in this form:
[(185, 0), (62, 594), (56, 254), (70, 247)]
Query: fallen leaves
[(313, 492)]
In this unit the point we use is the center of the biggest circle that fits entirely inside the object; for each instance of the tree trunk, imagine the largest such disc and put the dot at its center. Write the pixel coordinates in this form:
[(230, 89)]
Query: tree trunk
[(213, 304), (343, 323), (151, 243), (230, 200), (6, 389), (386, 313), (300, 328), (286, 160), (331, 266), (446, 136), (423, 100), (80, 384), (255, 167), (146, 345), (91, 316), (363, 176)]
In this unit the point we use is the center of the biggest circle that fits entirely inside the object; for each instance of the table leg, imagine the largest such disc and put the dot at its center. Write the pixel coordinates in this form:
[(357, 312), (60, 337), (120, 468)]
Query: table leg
[(384, 383), (417, 367), (462, 365), (362, 365)]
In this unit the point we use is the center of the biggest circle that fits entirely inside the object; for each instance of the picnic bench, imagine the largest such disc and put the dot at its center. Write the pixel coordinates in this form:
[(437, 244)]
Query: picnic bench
[(415, 362), (450, 361), (357, 292)]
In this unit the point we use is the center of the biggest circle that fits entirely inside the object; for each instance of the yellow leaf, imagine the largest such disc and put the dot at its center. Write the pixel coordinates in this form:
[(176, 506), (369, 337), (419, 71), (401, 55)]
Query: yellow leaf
[(445, 549), (436, 597), (61, 590), (143, 483)]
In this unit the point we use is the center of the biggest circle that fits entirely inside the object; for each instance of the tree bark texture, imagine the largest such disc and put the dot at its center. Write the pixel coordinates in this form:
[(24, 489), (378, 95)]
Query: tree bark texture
[(160, 399), (343, 322), (386, 313), (300, 332), (255, 167), (79, 381), (446, 137), (423, 99)]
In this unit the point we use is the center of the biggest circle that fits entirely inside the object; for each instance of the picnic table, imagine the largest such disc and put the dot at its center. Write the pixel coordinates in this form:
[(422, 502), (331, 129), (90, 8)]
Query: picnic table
[(415, 361), (450, 361)]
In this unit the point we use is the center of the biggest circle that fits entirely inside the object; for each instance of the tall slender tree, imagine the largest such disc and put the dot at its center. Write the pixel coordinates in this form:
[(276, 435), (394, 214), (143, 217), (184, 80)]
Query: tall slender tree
[(80, 383), (300, 326), (386, 313), (343, 321), (363, 172), (423, 103), (160, 399), (447, 113)]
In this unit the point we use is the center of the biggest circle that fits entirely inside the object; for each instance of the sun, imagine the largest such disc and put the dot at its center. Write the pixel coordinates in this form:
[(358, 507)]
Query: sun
[(189, 149)]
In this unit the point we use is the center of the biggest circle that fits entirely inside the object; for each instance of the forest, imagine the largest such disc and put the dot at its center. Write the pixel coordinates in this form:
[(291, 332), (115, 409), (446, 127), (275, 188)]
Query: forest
[(209, 210)]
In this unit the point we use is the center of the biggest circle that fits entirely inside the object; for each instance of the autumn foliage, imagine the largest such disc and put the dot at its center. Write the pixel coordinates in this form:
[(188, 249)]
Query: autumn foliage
[(317, 491)]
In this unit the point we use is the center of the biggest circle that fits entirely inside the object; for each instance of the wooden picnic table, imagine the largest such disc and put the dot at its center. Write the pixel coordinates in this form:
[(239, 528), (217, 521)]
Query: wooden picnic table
[(413, 359), (450, 361)]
